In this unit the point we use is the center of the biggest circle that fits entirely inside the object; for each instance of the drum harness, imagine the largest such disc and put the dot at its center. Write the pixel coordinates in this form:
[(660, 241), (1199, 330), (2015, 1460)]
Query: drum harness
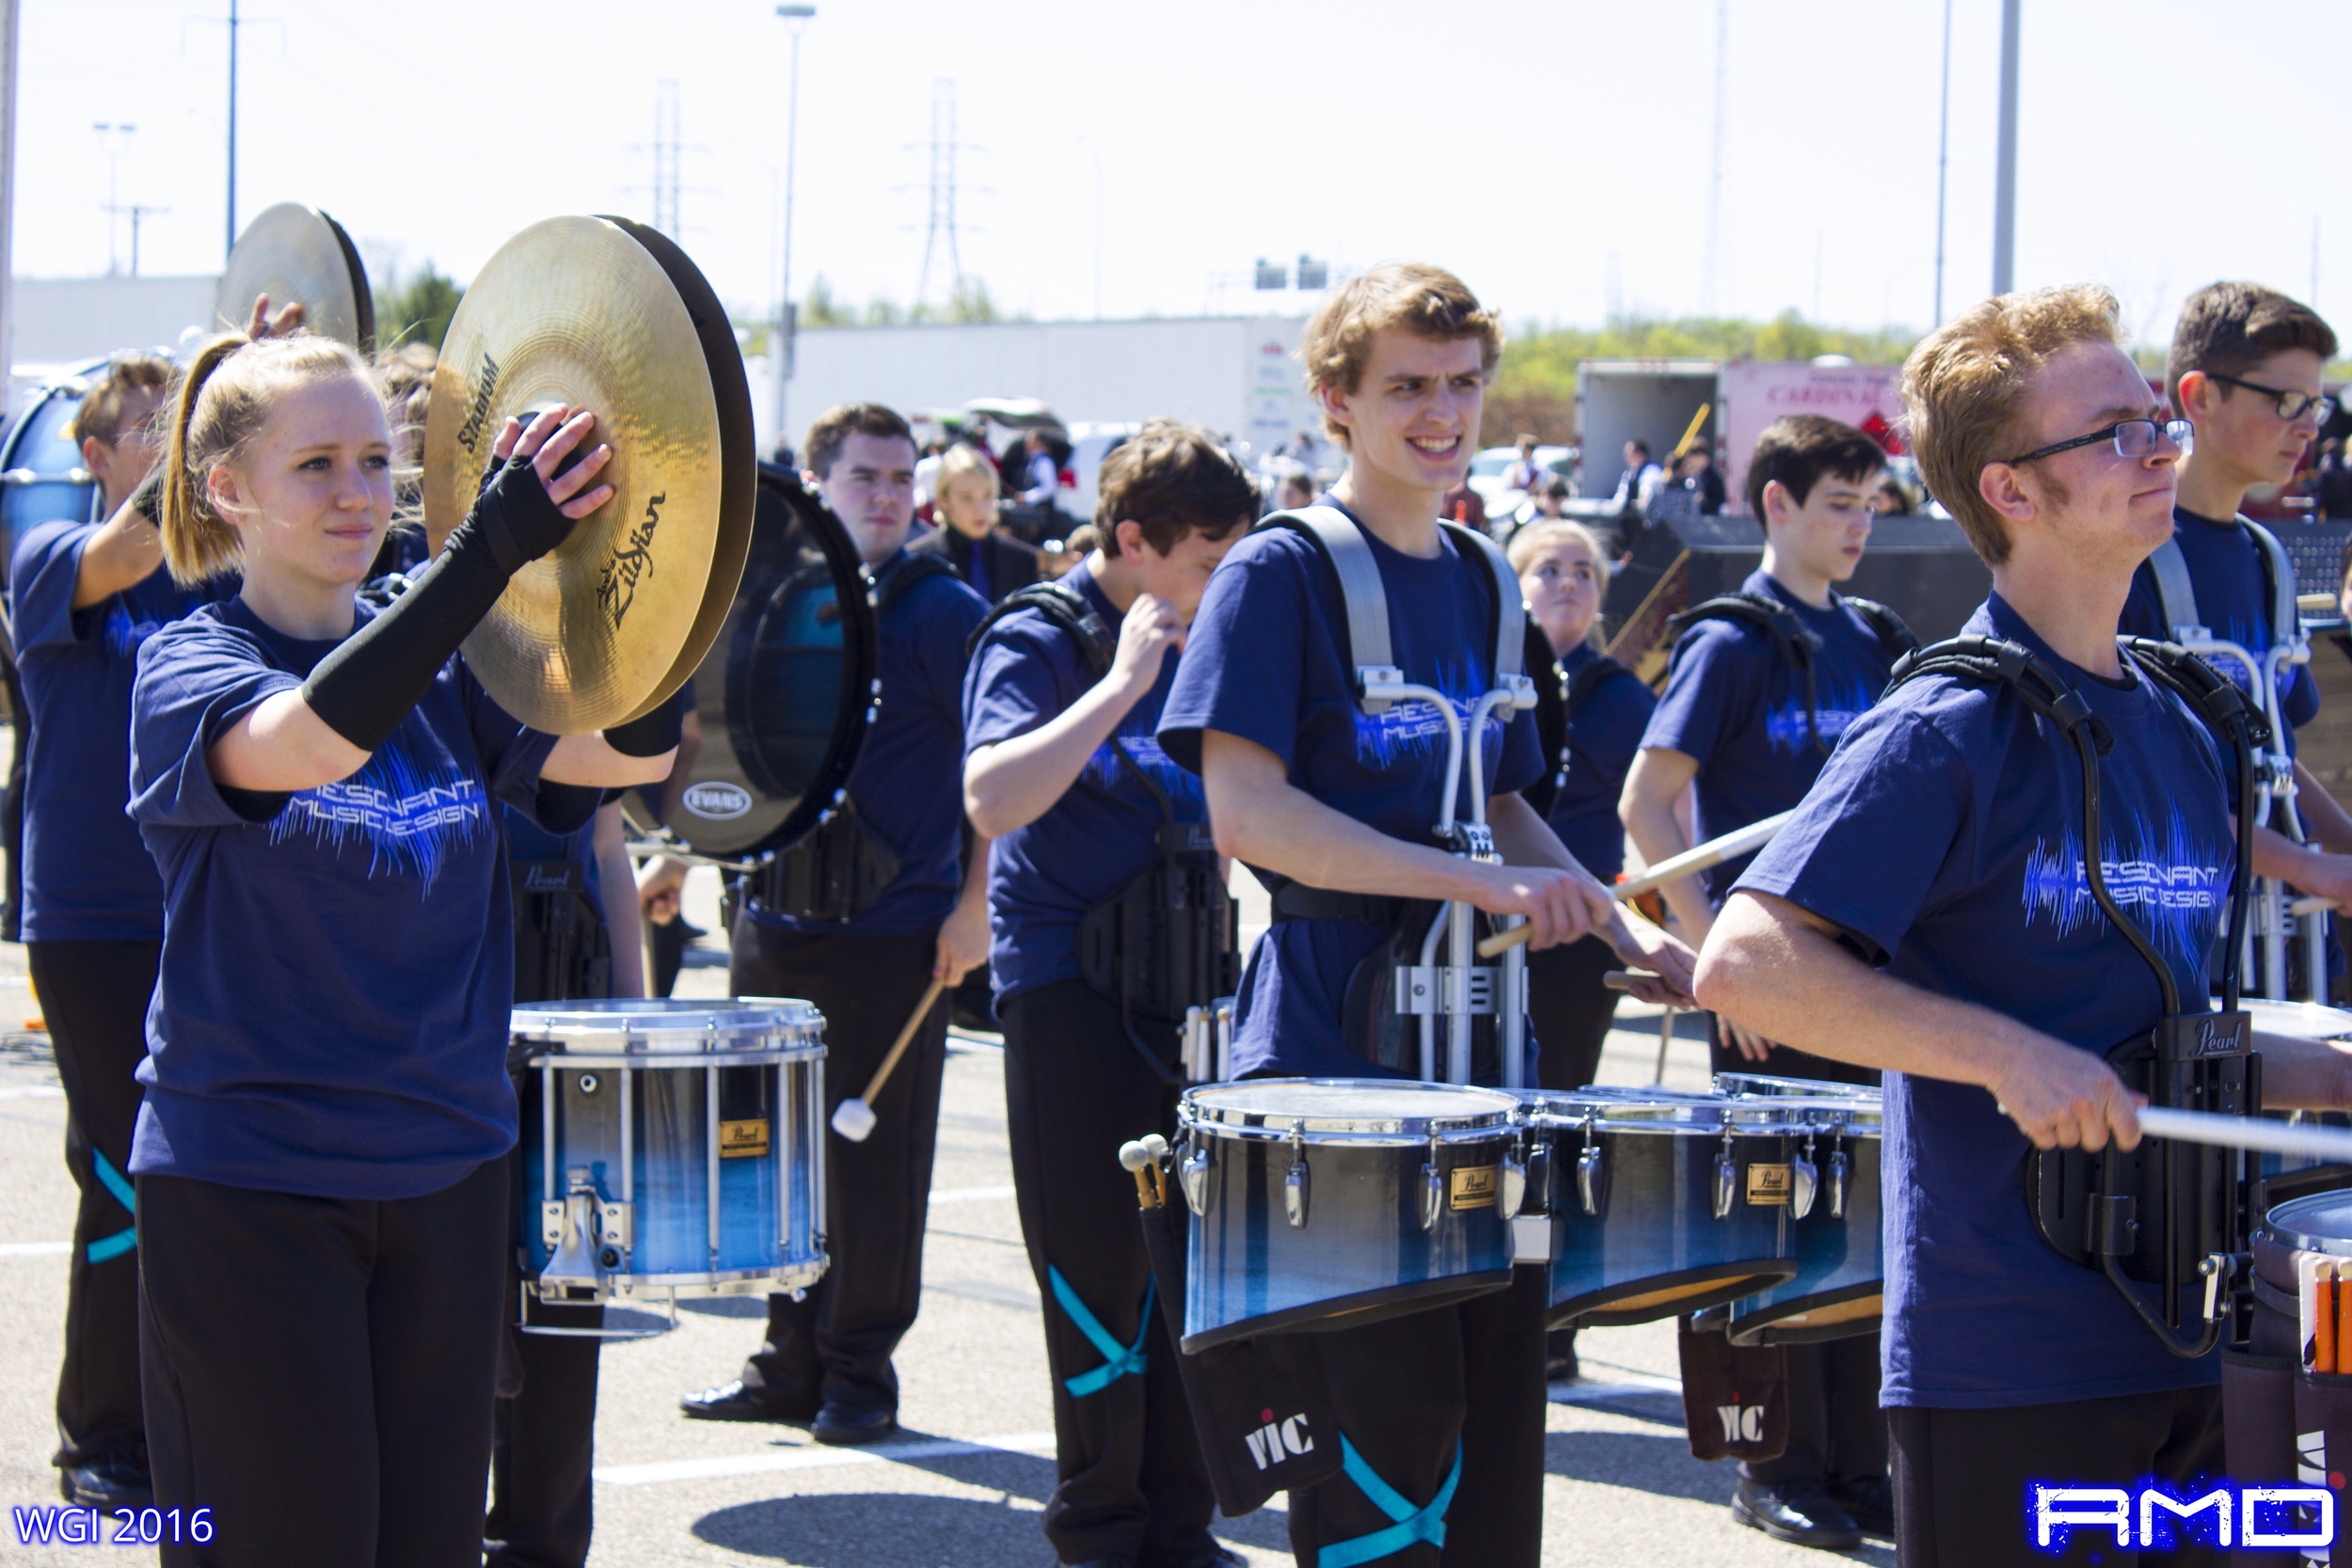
[(840, 867), (1797, 643), (1403, 978), (2152, 1216), (1166, 945), (2176, 596)]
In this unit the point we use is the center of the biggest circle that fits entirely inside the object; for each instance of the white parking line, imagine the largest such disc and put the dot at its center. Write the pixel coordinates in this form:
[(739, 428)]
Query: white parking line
[(33, 1091), (969, 1195), (816, 1459), (35, 1249)]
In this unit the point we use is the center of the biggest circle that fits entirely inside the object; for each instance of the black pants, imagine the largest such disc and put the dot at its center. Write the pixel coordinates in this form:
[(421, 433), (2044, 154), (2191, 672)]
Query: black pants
[(1961, 1475), (1131, 1479), (543, 1435), (1836, 1427), (1413, 1394), (319, 1371), (1571, 1010), (94, 995), (835, 1344)]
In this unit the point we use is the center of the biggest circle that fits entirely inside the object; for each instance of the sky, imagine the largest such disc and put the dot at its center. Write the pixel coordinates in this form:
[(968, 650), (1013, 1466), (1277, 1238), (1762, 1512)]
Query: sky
[(1556, 154)]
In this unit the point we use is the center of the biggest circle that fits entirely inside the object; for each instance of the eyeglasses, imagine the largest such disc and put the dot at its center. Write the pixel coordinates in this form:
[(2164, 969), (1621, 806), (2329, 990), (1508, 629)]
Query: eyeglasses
[(2133, 438), (2291, 405)]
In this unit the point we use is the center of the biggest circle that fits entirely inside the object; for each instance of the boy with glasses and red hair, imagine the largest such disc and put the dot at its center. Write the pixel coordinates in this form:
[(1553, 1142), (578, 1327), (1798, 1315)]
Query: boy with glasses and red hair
[(2245, 373)]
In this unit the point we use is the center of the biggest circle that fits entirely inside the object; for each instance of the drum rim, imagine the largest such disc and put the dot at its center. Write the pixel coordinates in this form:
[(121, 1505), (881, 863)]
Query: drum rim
[(1692, 1118), (635, 1021), (2255, 1007), (2280, 1221), (1805, 1088), (1498, 1120)]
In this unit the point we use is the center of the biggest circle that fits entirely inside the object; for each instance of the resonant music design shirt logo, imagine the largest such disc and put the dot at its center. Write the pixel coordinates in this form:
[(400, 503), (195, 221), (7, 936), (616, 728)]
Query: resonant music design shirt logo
[(1413, 728), (124, 633), (1104, 769), (1834, 711), (411, 820), (2175, 892)]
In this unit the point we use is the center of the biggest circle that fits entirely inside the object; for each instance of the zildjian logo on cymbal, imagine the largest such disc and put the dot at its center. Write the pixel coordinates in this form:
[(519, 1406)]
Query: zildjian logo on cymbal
[(632, 558)]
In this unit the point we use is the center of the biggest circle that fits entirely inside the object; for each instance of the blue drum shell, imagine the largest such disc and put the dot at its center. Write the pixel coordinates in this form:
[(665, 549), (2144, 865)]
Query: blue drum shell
[(1841, 1268), (1655, 1249), (1362, 1254)]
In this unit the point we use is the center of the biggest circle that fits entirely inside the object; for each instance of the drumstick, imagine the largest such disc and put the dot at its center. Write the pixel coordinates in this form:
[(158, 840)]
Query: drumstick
[(1713, 852), (854, 1119), (1623, 979), (2258, 1133), (2302, 907)]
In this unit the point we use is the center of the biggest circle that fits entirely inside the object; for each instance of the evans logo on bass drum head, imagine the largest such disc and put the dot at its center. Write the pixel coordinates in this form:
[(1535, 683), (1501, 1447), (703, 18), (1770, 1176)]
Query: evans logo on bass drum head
[(717, 802)]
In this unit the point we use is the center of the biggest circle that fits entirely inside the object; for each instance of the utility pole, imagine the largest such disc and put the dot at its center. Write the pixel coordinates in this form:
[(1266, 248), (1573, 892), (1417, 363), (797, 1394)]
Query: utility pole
[(788, 318), (1710, 294), (232, 128), (135, 211), (665, 139), (112, 139), (2005, 164), (8, 187), (1943, 163)]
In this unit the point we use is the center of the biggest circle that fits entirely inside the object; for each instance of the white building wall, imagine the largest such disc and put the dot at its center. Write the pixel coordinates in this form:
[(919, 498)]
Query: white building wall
[(1237, 375), (59, 319)]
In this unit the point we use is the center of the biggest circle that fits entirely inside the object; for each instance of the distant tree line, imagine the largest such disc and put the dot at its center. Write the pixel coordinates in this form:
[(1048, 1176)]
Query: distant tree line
[(968, 301), (417, 310)]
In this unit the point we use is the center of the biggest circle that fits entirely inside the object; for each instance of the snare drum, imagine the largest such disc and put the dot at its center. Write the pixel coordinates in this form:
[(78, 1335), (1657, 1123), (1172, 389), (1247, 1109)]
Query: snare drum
[(1327, 1203), (1840, 1282), (2317, 1224), (671, 1148), (1659, 1203)]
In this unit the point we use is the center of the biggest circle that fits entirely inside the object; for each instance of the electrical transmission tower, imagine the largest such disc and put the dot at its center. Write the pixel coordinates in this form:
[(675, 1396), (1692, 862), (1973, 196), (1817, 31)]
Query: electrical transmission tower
[(665, 156), (943, 226)]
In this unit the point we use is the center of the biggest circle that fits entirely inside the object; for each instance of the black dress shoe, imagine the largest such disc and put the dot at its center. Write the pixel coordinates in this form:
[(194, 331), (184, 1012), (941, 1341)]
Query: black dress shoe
[(732, 1402), (1210, 1555), (1560, 1355), (1870, 1499), (1117, 1562), (1799, 1511), (848, 1425), (107, 1483)]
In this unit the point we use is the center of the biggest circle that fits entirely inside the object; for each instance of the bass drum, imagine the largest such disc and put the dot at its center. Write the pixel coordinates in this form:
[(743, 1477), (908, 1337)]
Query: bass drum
[(41, 477), (785, 694)]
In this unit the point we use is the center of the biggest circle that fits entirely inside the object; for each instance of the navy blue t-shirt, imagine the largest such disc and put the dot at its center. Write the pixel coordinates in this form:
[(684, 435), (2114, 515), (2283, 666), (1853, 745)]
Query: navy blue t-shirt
[(1737, 705), (1604, 732), (86, 875), (1945, 836), (908, 781), (1105, 829), (1264, 661), (332, 1017), (528, 841), (2225, 567)]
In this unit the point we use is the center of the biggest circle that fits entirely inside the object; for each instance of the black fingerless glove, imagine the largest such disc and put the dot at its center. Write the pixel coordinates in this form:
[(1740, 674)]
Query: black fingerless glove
[(366, 686), (654, 732)]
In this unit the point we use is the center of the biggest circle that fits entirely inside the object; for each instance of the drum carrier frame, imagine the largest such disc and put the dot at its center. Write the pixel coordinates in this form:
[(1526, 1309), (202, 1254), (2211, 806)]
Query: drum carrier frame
[(2176, 595), (2165, 1215)]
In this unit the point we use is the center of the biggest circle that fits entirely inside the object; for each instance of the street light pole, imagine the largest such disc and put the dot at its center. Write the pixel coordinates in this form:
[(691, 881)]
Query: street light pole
[(2005, 170), (233, 127), (1943, 162), (780, 345)]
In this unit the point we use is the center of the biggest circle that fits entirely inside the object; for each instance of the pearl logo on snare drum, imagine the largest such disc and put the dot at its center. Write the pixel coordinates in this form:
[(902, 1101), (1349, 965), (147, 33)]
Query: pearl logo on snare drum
[(717, 802)]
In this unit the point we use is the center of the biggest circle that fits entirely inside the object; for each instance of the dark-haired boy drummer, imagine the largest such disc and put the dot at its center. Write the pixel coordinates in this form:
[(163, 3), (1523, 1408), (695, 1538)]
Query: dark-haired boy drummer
[(1442, 1410), (1064, 774), (1751, 710), (1927, 913), (2245, 371), (82, 597), (857, 919)]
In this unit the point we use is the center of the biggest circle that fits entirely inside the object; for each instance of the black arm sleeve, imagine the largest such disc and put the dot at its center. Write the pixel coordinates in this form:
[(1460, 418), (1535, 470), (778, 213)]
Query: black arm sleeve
[(365, 687), (654, 732)]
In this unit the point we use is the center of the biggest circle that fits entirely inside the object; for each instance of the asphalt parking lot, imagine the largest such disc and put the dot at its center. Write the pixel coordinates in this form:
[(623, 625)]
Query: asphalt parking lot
[(964, 1484)]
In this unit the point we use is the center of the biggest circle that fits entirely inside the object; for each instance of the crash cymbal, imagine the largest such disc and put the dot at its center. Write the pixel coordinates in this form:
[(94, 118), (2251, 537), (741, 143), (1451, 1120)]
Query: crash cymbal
[(574, 310), (739, 447), (296, 253)]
